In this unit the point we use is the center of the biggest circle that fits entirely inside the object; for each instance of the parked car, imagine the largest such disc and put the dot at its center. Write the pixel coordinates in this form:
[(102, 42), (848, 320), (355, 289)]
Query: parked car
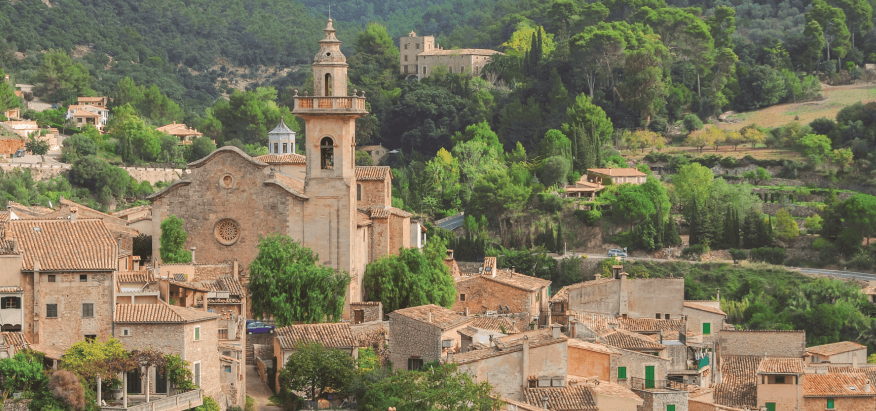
[(614, 252), (20, 152), (258, 327)]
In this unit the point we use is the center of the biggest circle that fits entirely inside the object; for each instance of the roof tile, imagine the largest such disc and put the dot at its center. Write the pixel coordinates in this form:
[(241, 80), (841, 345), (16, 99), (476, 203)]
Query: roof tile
[(566, 398), (374, 173), (292, 158), (738, 387), (159, 313), (85, 244), (332, 335), (629, 340), (835, 348), (778, 365), (703, 307), (441, 317)]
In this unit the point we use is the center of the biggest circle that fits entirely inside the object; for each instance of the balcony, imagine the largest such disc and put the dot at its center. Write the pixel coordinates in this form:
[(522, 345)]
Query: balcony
[(179, 402), (655, 385), (329, 105)]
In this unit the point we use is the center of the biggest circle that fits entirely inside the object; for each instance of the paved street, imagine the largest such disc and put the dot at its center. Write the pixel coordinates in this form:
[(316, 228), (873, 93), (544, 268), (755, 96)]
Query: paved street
[(258, 390)]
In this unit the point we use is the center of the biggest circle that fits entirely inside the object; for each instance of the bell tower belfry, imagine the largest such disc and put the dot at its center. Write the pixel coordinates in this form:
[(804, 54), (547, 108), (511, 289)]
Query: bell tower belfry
[(329, 214)]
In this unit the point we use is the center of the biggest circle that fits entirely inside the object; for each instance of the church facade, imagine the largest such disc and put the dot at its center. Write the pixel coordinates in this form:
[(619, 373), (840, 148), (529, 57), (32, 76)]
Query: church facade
[(228, 200)]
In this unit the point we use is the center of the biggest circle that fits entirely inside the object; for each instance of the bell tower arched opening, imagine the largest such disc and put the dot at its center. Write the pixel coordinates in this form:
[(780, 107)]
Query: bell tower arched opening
[(328, 84), (327, 153)]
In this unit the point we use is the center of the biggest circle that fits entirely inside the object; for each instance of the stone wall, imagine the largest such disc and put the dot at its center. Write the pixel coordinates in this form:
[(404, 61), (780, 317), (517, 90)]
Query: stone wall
[(8, 146), (263, 351), (635, 363), (840, 403), (371, 311), (412, 339), (49, 171), (794, 210), (482, 295), (205, 351), (694, 405), (69, 293), (769, 343), (658, 400)]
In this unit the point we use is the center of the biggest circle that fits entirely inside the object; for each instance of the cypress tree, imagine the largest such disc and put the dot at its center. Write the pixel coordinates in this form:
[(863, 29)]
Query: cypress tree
[(659, 228), (559, 242), (695, 223), (671, 235), (549, 239)]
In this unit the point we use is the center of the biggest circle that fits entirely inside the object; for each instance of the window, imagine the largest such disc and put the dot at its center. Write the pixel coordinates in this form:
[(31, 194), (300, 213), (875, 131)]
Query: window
[(771, 406), (830, 403), (198, 333), (415, 364), (658, 316), (327, 153), (11, 302), (227, 231), (358, 192), (87, 310), (665, 316), (90, 337), (126, 332), (197, 372), (417, 46), (780, 379), (328, 84), (51, 310), (621, 373), (462, 297), (285, 148), (276, 146), (51, 278), (227, 368), (406, 46), (707, 329), (83, 278), (406, 57), (670, 407)]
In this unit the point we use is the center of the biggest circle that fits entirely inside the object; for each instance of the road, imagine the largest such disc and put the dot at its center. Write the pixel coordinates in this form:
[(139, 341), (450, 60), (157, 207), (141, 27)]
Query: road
[(852, 275), (258, 390)]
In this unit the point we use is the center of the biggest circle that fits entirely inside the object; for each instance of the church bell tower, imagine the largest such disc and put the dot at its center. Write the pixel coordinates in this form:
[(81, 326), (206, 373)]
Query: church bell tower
[(329, 213)]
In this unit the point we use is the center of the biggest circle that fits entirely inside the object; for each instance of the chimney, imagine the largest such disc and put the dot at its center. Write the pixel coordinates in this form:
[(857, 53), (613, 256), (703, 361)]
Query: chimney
[(867, 386), (73, 212), (466, 311), (430, 317), (193, 255), (854, 360), (609, 170), (661, 336), (555, 331), (718, 295), (544, 401)]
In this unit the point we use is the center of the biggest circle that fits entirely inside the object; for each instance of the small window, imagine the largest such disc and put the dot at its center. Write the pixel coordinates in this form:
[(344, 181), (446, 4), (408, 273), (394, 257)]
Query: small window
[(707, 329), (227, 368), (51, 278), (830, 403), (621, 373), (87, 310), (276, 145), (665, 316), (197, 372), (415, 364), (83, 278), (462, 297), (51, 310), (417, 46), (285, 148), (90, 337), (358, 192), (126, 332), (670, 407), (780, 379), (658, 316), (406, 57), (11, 302), (198, 333)]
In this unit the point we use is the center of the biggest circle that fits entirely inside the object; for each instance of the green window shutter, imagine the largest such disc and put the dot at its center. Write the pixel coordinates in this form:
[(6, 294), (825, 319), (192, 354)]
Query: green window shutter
[(830, 403), (707, 329), (771, 406), (621, 373), (670, 407)]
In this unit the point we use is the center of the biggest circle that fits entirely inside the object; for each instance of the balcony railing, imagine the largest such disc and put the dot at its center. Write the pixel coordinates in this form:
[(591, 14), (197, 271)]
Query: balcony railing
[(316, 104), (179, 402), (645, 384)]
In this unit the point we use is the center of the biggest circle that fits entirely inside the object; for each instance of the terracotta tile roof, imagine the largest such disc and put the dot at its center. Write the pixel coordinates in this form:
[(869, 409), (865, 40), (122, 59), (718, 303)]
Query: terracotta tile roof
[(566, 398), (610, 389), (143, 276), (159, 313), (494, 324), (332, 335), (366, 304), (703, 307), (38, 210), (370, 332), (507, 345), (98, 99), (292, 185), (190, 286), (129, 211), (380, 213), (291, 158), (779, 365), (228, 359), (584, 345), (617, 172), (561, 296), (374, 173), (81, 207), (516, 280), (224, 283), (459, 52), (738, 387), (441, 317), (11, 290), (650, 325), (629, 340), (837, 384), (836, 348), (594, 321), (15, 339), (362, 219), (175, 129), (370, 148), (85, 244)]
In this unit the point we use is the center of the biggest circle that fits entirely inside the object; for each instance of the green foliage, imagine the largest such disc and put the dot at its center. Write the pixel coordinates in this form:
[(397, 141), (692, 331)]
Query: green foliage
[(8, 99), (771, 255), (36, 147), (22, 373), (786, 227), (60, 79), (694, 252), (364, 159), (738, 255), (288, 283), (534, 263), (149, 103), (814, 147), (173, 240), (90, 360), (247, 116), (79, 145), (437, 387), (179, 372), (411, 279), (860, 212), (757, 176), (607, 264), (589, 217), (692, 122), (201, 147), (314, 368)]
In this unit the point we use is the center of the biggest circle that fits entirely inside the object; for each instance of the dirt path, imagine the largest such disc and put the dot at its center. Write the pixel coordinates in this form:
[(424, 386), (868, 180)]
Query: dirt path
[(35, 104), (258, 390)]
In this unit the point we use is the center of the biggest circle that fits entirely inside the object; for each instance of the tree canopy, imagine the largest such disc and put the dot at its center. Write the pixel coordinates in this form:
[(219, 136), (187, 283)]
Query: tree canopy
[(411, 278)]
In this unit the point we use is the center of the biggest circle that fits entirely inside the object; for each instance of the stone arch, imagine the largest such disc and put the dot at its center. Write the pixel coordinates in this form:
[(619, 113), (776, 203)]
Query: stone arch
[(327, 153)]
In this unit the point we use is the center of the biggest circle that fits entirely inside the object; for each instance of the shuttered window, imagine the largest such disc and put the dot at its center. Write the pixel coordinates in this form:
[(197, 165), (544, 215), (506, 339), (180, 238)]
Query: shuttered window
[(621, 373), (830, 403), (707, 329)]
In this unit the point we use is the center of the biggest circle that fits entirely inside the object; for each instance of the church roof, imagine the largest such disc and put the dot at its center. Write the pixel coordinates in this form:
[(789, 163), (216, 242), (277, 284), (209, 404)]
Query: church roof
[(291, 185), (281, 128), (202, 162), (293, 158)]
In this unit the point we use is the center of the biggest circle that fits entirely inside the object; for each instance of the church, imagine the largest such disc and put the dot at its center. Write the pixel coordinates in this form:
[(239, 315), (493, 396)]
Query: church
[(343, 212)]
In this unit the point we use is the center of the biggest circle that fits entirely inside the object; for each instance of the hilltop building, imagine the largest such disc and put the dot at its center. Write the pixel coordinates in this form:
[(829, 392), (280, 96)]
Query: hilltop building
[(420, 55)]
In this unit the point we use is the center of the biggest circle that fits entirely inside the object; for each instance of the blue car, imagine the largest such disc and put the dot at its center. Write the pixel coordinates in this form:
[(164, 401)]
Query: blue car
[(616, 253), (258, 327)]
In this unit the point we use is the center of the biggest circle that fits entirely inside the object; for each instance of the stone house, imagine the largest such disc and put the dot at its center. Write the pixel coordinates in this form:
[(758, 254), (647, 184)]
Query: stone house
[(422, 334), (24, 128), (583, 189), (181, 131), (139, 218), (67, 277), (778, 381), (765, 343), (420, 55), (191, 333), (614, 365), (366, 311), (705, 317), (117, 226), (228, 199), (503, 291), (93, 101), (838, 389), (377, 153), (481, 330), (623, 297), (616, 175), (843, 352), (331, 335), (632, 341), (89, 111)]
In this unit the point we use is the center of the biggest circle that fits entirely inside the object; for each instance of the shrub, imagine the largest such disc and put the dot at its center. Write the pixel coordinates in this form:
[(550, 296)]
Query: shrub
[(66, 387), (550, 202), (691, 122), (728, 162), (738, 254), (589, 217), (771, 255), (862, 261), (658, 125), (813, 224), (849, 241), (694, 252)]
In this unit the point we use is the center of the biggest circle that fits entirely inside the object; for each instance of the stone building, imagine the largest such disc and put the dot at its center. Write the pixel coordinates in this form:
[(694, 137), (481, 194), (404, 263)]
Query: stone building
[(229, 199), (191, 333), (617, 175), (366, 311), (377, 153), (67, 279), (503, 291), (705, 317), (843, 352), (185, 134), (422, 334), (623, 297), (420, 55), (331, 335)]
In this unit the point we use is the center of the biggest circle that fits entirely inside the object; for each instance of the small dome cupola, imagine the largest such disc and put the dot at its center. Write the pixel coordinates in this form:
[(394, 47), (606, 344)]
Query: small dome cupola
[(281, 140), (329, 47)]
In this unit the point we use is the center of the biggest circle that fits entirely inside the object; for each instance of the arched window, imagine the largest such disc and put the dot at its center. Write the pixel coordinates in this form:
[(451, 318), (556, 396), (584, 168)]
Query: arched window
[(328, 84), (327, 153)]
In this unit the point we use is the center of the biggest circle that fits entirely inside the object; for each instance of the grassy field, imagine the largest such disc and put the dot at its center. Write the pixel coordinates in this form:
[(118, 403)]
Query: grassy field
[(835, 99)]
